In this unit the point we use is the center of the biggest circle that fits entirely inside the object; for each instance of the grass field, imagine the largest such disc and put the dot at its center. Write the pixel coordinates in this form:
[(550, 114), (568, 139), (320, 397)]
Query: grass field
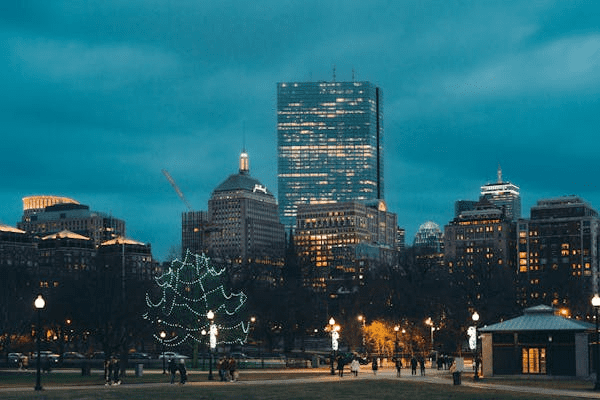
[(154, 386)]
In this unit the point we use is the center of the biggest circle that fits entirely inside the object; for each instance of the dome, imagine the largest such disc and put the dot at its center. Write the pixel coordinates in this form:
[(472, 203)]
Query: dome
[(429, 235), (242, 181)]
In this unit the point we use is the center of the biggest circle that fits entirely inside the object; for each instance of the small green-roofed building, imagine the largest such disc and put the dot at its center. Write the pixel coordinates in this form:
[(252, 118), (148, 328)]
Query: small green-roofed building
[(539, 342)]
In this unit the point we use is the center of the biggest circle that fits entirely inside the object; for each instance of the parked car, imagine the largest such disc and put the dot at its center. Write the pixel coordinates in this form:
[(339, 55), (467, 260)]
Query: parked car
[(17, 360), (168, 355), (46, 356), (139, 356), (98, 355), (72, 355)]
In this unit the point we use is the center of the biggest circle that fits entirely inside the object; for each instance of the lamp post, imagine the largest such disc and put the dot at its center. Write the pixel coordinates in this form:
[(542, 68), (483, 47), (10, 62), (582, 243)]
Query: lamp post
[(596, 304), (163, 334), (475, 318), (333, 342), (396, 329), (213, 342), (361, 319), (39, 304)]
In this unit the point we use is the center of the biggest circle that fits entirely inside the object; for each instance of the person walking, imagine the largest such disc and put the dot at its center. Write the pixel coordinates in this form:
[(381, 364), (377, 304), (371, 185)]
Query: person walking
[(354, 367), (182, 372), (374, 366), (232, 368), (413, 365), (422, 365), (340, 366), (107, 372), (398, 367), (172, 370)]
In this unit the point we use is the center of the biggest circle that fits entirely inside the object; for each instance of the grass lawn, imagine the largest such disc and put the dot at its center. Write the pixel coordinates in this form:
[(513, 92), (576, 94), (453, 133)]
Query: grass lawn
[(380, 389)]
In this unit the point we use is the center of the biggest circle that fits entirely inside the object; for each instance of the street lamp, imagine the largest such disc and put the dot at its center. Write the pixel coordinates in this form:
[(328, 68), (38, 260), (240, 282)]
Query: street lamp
[(39, 304), (361, 319), (475, 318), (334, 337), (163, 334), (596, 304), (213, 342), (396, 329)]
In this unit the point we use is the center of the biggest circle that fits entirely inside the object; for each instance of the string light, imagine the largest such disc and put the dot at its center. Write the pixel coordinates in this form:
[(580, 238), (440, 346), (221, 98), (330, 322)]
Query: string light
[(190, 288)]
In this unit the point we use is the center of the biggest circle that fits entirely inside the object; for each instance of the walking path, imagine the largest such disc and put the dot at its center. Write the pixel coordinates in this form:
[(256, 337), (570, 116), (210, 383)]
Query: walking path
[(432, 376)]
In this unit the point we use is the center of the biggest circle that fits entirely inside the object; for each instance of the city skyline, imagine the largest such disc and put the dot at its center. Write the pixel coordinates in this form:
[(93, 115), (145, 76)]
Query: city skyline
[(100, 98)]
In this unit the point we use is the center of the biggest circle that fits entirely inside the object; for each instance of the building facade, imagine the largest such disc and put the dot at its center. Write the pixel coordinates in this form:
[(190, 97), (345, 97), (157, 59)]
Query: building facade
[(558, 254), (337, 243), (244, 221), (195, 231), (45, 215), (329, 144)]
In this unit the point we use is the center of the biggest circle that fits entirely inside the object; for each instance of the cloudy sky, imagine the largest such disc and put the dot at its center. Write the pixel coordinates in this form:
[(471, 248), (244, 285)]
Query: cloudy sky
[(99, 96)]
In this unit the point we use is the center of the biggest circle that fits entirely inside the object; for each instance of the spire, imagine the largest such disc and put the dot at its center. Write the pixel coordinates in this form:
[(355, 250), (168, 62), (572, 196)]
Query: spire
[(499, 174), (244, 163)]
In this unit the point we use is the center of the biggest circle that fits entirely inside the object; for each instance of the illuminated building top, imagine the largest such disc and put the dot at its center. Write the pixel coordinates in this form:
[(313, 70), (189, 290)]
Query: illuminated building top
[(504, 195)]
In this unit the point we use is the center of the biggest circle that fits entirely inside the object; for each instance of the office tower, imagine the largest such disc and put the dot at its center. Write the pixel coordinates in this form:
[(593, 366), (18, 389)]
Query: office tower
[(338, 242), (461, 206), (329, 144), (245, 223), (195, 231), (429, 236), (482, 234), (558, 254), (504, 195), (45, 215)]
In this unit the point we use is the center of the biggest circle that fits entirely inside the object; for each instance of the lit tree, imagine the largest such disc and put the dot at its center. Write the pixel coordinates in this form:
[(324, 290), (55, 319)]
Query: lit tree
[(190, 289)]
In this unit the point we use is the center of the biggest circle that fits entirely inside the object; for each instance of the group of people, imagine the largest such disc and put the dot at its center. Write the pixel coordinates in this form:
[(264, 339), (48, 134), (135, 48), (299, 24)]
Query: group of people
[(112, 370), (175, 367), (227, 368), (413, 365)]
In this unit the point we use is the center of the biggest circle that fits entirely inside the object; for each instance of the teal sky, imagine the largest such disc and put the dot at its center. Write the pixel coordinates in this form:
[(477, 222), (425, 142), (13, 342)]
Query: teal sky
[(99, 96)]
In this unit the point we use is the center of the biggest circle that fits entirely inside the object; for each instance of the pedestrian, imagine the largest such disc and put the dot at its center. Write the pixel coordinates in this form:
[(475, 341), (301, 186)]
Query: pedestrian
[(374, 366), (232, 367), (172, 370), (354, 366), (340, 366), (398, 367), (422, 365), (182, 372), (116, 371), (413, 365), (107, 372)]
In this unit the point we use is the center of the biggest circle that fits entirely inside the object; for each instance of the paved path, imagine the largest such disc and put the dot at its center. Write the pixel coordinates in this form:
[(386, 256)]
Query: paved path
[(432, 376)]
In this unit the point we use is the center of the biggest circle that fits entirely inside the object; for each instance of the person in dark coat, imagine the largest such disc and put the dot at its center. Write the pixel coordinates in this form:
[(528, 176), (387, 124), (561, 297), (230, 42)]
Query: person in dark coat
[(116, 371), (182, 371), (422, 365), (398, 367), (374, 366), (172, 369), (340, 366), (232, 367), (413, 365)]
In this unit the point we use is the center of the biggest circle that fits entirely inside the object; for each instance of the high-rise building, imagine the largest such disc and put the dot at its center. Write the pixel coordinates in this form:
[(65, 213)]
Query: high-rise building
[(195, 228), (244, 220), (329, 144), (338, 242), (558, 254), (504, 195)]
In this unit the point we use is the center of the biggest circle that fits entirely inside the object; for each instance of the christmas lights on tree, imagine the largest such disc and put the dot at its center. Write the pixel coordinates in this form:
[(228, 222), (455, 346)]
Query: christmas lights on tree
[(190, 289)]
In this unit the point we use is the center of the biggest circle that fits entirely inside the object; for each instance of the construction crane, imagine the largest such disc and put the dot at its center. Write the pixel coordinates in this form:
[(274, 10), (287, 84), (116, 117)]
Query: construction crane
[(177, 190)]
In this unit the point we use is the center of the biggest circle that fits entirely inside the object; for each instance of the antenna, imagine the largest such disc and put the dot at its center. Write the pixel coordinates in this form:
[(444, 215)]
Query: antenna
[(334, 72), (177, 190)]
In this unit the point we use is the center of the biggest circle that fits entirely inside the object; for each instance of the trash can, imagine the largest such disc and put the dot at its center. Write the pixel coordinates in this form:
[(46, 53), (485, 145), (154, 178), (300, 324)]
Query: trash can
[(456, 378), (139, 370)]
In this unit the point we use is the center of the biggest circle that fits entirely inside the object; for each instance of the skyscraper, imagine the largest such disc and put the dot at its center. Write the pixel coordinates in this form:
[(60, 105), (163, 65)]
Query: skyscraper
[(329, 144), (504, 195), (245, 227)]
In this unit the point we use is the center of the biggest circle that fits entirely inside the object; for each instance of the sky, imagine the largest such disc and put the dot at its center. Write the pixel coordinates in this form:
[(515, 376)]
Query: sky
[(99, 96)]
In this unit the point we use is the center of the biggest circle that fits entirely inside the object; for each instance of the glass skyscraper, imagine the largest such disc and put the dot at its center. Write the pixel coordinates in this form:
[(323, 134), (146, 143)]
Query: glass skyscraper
[(329, 144)]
